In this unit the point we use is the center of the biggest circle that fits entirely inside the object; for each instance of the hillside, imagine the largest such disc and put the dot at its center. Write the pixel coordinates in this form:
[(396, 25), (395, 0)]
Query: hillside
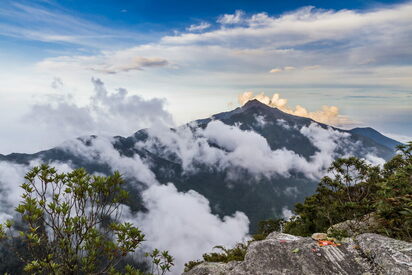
[(255, 159)]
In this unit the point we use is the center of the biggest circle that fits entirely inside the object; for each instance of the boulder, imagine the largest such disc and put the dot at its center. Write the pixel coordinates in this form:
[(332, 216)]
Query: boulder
[(365, 224), (390, 256), (286, 254)]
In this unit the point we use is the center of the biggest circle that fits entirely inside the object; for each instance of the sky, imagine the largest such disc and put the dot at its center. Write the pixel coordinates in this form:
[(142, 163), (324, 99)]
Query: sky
[(68, 69)]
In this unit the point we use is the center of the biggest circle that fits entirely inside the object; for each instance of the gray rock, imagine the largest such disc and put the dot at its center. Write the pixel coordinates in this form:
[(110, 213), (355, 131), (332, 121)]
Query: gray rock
[(207, 268), (367, 223), (391, 256), (286, 254)]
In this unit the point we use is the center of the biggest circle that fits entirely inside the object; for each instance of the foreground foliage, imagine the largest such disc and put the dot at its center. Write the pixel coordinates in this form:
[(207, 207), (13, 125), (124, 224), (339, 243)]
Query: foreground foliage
[(71, 225), (352, 190), (355, 189)]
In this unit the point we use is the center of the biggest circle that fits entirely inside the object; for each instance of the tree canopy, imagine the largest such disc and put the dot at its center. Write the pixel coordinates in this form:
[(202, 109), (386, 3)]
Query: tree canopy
[(71, 225)]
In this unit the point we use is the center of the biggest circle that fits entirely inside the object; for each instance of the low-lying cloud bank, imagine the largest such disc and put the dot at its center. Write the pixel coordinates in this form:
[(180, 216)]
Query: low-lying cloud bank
[(227, 148), (181, 222), (328, 115)]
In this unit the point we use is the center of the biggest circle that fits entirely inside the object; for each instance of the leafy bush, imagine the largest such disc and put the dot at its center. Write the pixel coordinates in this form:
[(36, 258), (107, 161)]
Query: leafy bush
[(71, 225), (355, 189)]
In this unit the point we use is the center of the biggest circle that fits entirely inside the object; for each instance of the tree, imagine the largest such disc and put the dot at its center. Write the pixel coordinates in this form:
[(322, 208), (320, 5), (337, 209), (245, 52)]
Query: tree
[(354, 189), (72, 224)]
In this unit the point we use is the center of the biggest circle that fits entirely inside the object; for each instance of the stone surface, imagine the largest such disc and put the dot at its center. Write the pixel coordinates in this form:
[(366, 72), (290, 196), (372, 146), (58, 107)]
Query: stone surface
[(390, 256), (367, 223), (319, 236), (286, 254)]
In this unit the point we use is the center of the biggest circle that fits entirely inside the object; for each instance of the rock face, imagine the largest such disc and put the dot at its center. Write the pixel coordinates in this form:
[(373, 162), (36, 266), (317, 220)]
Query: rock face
[(389, 255), (367, 223), (286, 254)]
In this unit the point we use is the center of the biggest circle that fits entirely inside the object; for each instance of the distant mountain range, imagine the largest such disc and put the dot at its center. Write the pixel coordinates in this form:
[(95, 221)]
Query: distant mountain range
[(254, 159), (376, 136)]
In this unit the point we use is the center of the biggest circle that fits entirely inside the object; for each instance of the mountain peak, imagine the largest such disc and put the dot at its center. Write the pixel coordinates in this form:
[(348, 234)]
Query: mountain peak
[(255, 103)]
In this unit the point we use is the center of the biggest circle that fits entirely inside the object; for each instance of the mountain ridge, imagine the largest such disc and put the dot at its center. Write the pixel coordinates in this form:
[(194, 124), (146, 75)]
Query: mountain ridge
[(260, 197)]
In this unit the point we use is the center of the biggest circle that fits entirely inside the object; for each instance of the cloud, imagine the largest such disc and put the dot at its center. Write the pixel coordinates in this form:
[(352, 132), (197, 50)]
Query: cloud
[(53, 24), (136, 63), (303, 26), (11, 178), (286, 213), (328, 114), (286, 68), (105, 63), (57, 83), (312, 67), (182, 223), (276, 70), (229, 19), (117, 113), (232, 150), (200, 27), (101, 150)]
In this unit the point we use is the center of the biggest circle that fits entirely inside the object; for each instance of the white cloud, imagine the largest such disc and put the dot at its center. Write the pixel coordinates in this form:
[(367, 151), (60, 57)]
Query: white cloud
[(11, 178), (180, 222), (286, 213), (229, 19), (136, 63), (183, 224), (117, 113), (247, 150), (283, 123), (53, 24), (276, 70), (200, 27), (312, 67), (289, 68)]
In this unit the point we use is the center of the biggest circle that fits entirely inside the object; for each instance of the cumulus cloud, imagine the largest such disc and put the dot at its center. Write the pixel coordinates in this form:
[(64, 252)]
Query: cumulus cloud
[(183, 224), (228, 19), (117, 113), (57, 83), (200, 27), (328, 114), (239, 149), (101, 150)]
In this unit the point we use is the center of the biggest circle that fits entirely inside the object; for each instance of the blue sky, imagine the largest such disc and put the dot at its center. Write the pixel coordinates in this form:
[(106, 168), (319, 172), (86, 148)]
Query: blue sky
[(200, 56)]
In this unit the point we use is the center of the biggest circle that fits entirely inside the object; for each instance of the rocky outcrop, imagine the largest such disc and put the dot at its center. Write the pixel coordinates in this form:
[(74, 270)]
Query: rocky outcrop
[(286, 254), (365, 224), (390, 256)]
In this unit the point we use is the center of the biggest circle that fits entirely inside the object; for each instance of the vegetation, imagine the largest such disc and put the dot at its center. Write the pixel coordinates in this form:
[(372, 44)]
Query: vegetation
[(351, 190), (239, 251), (71, 225), (355, 189), (227, 255)]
